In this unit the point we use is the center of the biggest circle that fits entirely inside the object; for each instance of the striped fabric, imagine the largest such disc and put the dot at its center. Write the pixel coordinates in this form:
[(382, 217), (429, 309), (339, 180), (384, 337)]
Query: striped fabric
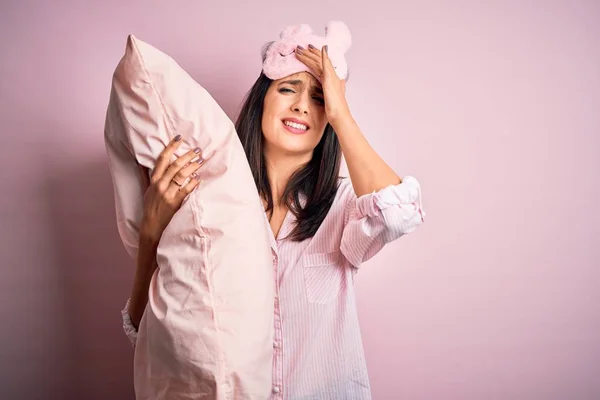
[(318, 352)]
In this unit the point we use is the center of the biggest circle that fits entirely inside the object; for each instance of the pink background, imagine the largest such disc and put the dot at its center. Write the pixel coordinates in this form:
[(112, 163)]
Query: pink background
[(495, 107)]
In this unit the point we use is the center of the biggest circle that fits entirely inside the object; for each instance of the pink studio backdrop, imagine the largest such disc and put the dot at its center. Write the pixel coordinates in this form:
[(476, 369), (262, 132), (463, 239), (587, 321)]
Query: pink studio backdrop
[(494, 106)]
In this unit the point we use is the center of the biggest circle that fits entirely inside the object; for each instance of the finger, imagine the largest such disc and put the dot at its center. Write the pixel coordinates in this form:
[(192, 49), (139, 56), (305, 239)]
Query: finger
[(308, 54), (163, 159), (184, 175), (189, 188), (312, 63), (326, 61), (316, 53), (178, 164), (313, 53)]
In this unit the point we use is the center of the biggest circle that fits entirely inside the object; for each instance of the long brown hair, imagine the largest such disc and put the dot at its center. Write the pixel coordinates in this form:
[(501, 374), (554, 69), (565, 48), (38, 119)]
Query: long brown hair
[(318, 180)]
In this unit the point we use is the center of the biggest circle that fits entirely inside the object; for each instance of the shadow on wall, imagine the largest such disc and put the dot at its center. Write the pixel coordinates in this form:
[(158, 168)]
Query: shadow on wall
[(95, 279)]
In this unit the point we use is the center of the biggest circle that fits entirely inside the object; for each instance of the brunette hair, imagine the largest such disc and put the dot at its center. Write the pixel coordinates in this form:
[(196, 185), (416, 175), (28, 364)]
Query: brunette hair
[(318, 180)]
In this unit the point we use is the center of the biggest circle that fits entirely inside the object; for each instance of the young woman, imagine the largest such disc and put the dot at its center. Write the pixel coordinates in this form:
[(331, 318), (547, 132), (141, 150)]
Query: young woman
[(294, 131)]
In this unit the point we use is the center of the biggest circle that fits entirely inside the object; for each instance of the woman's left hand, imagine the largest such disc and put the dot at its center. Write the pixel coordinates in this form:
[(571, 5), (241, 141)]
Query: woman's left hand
[(334, 88)]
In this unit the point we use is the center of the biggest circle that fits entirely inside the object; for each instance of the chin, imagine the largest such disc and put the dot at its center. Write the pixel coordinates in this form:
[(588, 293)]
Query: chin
[(295, 150), (290, 148), (284, 142)]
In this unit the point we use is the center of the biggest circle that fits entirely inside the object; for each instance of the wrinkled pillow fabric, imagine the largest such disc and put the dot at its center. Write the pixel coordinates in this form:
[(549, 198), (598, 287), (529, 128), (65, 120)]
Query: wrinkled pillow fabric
[(207, 331)]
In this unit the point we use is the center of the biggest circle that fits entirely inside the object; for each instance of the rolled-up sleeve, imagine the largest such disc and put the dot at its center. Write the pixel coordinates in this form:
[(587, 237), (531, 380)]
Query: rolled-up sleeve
[(128, 327), (377, 218)]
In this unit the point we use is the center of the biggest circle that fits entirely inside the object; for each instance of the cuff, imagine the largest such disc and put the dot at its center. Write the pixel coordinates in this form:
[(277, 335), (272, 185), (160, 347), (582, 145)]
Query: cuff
[(128, 327), (407, 193)]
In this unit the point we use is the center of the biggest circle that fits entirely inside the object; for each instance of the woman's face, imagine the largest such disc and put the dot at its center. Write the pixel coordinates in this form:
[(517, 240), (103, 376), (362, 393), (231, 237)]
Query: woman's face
[(293, 119)]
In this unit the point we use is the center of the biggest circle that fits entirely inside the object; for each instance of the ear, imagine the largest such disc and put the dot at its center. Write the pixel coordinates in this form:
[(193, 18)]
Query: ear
[(295, 30), (338, 34)]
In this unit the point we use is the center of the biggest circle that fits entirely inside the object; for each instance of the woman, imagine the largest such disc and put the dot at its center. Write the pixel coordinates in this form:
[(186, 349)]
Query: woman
[(294, 131)]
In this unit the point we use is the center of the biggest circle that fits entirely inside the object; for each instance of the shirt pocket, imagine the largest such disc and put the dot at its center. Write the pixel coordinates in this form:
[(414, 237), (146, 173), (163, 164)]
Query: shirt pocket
[(323, 276)]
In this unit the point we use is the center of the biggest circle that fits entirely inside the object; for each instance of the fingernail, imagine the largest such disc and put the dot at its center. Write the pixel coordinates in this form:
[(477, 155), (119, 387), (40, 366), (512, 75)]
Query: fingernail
[(177, 138), (325, 47), (299, 48), (310, 46), (200, 160), (197, 150)]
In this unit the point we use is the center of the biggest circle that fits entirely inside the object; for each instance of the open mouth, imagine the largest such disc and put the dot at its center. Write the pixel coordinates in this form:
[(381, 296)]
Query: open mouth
[(295, 126)]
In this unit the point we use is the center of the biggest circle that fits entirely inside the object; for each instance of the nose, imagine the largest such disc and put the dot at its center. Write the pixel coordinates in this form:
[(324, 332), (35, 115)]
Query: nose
[(300, 110), (301, 104)]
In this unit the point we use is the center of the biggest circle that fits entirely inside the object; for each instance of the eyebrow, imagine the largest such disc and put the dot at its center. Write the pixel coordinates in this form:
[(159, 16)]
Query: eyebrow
[(298, 82), (294, 82)]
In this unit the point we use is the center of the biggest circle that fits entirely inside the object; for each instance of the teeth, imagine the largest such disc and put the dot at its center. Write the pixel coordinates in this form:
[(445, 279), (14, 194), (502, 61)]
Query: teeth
[(295, 125)]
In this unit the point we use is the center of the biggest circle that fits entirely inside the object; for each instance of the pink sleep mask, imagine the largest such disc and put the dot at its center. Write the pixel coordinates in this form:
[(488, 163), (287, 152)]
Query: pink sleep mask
[(279, 57)]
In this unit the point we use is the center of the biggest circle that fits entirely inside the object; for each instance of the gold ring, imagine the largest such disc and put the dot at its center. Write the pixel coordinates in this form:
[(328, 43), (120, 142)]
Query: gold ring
[(177, 183)]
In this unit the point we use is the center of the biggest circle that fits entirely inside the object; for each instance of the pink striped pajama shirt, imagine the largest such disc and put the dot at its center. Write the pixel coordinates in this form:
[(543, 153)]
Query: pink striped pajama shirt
[(318, 352)]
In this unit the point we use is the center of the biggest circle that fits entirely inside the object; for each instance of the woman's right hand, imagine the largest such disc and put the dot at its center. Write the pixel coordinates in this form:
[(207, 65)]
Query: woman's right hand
[(168, 186)]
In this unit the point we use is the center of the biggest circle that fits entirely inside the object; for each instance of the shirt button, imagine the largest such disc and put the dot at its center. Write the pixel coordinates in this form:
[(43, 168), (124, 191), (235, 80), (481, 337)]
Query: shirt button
[(276, 344), (276, 389)]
